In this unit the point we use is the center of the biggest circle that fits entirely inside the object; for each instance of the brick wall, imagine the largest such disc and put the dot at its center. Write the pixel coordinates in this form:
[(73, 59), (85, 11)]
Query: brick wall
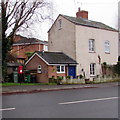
[(47, 71), (52, 72), (17, 38), (33, 64), (21, 50)]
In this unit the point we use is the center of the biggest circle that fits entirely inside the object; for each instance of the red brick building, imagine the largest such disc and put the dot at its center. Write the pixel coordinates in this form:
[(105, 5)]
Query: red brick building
[(51, 64), (23, 46)]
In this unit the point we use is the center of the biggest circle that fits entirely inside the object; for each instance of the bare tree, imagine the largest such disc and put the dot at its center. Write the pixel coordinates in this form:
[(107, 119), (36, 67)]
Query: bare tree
[(18, 14)]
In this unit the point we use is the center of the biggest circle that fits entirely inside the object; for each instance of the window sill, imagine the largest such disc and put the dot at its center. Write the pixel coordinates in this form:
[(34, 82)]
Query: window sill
[(92, 75), (60, 28), (60, 72), (92, 52), (107, 52), (38, 72)]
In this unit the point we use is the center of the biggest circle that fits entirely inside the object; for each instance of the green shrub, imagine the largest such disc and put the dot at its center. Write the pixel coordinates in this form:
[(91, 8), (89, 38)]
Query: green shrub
[(81, 76), (117, 68), (67, 77), (52, 80), (104, 63), (60, 78), (87, 81), (29, 54)]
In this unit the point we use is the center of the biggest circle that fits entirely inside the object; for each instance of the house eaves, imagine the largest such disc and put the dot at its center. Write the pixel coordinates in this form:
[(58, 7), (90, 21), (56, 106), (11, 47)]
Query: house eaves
[(32, 43), (53, 23), (32, 58), (85, 22)]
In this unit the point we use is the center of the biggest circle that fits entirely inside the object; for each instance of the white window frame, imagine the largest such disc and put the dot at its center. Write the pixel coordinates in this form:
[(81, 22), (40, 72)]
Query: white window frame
[(45, 47), (107, 46), (92, 69), (60, 66), (39, 69), (91, 45), (60, 24)]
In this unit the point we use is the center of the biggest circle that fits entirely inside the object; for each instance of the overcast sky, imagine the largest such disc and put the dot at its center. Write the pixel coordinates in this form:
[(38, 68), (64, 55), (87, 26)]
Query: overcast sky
[(105, 11)]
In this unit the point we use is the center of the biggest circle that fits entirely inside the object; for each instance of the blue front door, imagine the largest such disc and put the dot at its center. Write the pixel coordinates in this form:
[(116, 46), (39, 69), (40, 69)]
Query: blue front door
[(72, 71)]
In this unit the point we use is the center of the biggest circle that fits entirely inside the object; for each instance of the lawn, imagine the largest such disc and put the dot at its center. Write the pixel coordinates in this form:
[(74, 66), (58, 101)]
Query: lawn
[(25, 84)]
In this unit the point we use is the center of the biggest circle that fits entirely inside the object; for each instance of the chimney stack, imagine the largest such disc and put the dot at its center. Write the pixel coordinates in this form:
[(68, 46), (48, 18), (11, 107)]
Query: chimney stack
[(82, 14)]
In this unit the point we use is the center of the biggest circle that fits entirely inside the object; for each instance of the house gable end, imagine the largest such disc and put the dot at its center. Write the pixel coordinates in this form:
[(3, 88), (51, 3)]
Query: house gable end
[(60, 15), (35, 54)]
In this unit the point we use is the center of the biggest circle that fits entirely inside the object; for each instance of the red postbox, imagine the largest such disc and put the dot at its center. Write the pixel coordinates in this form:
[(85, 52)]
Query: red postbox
[(20, 69)]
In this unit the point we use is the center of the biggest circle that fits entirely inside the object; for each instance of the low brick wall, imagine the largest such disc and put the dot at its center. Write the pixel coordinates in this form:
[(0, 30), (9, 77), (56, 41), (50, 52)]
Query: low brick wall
[(95, 80), (106, 79), (73, 81)]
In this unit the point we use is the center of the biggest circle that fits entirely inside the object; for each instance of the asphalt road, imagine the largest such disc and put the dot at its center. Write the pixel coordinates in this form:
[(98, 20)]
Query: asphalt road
[(78, 103)]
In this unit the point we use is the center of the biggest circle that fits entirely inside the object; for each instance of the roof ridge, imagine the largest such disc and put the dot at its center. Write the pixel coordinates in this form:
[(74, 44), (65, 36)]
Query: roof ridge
[(89, 23), (49, 52), (27, 38), (69, 56)]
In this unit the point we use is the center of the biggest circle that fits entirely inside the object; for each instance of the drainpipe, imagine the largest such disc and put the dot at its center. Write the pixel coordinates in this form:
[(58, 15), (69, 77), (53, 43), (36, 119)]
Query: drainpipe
[(18, 50), (39, 47)]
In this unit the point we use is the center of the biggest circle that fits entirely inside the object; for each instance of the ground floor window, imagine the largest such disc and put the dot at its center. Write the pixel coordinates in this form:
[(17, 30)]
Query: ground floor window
[(61, 69), (92, 69)]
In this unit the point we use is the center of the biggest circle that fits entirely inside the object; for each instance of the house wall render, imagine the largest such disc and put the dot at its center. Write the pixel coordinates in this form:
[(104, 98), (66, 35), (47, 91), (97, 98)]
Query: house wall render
[(73, 40)]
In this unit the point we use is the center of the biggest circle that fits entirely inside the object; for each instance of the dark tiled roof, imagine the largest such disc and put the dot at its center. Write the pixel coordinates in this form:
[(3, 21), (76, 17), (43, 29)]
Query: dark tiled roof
[(13, 64), (89, 23), (56, 58), (25, 40)]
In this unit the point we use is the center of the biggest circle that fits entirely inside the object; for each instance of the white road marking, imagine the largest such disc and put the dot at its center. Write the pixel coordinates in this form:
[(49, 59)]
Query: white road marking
[(93, 100), (7, 109)]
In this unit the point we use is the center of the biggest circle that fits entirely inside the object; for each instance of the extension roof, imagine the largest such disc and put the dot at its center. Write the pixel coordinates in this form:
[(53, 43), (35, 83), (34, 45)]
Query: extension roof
[(13, 64), (54, 58)]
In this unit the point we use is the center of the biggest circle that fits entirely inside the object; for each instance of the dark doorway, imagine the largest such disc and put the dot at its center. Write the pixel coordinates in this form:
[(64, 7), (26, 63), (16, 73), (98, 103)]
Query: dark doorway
[(72, 71)]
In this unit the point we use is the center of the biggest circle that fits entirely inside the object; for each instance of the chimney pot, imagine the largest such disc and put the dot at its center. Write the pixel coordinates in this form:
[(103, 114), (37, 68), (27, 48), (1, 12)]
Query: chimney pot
[(82, 14)]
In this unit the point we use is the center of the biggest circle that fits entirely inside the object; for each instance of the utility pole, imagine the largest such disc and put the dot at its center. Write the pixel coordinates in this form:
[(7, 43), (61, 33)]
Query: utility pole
[(119, 15), (119, 27), (0, 45)]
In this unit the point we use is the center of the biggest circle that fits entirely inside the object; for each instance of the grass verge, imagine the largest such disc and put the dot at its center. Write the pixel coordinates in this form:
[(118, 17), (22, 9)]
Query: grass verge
[(25, 84)]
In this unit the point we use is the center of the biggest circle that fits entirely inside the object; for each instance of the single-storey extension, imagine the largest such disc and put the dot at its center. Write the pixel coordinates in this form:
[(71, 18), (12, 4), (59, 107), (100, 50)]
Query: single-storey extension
[(51, 64)]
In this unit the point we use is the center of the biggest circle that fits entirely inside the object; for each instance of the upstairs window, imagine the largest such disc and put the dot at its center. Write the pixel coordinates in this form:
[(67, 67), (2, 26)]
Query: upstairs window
[(91, 45), (107, 47), (60, 69), (39, 69), (60, 24), (45, 48)]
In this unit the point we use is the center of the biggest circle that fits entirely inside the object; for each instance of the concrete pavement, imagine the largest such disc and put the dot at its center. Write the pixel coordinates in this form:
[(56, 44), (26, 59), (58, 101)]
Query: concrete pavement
[(40, 88)]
